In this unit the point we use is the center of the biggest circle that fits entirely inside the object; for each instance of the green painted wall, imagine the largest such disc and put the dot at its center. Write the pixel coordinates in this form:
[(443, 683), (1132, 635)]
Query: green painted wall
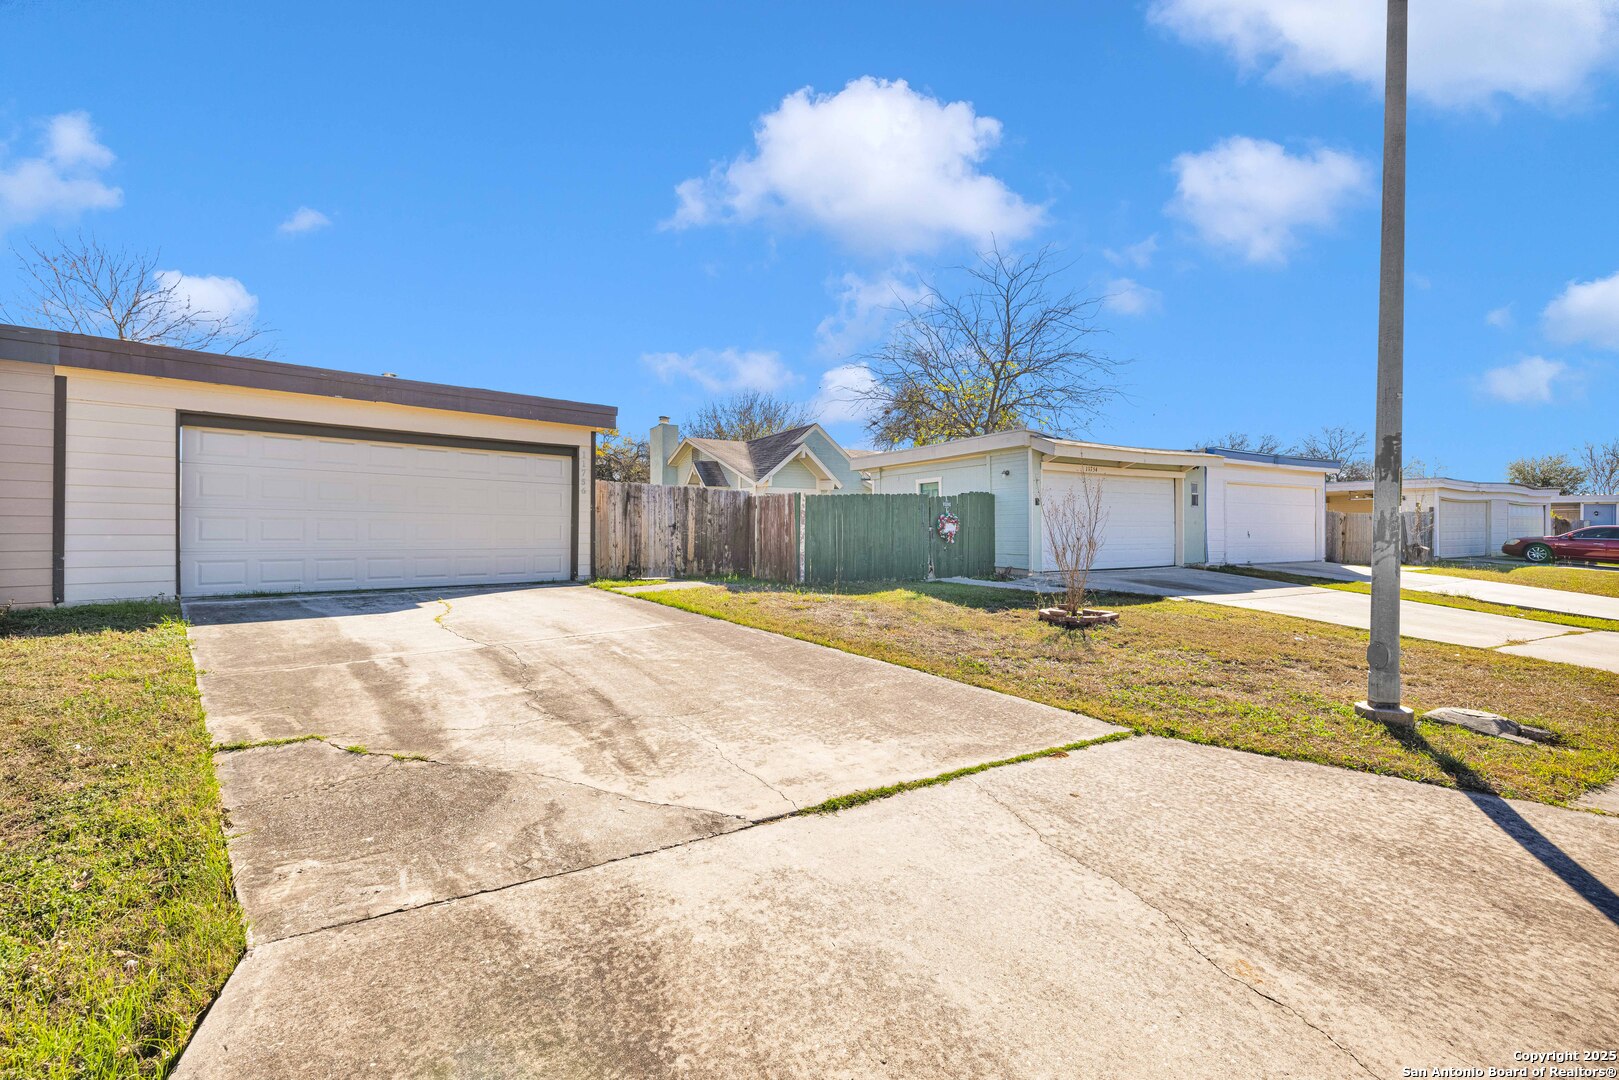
[(1195, 519), (983, 472)]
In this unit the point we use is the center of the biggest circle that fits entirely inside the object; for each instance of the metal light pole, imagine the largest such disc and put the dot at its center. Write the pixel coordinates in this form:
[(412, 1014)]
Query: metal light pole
[(1383, 654)]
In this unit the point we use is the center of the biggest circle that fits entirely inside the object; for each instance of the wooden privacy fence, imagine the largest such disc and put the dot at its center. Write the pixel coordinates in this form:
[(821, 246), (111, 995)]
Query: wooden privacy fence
[(1349, 537), (651, 530)]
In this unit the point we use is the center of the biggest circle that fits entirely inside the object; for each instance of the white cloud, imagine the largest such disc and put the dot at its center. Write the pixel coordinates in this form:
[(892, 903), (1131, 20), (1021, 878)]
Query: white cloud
[(841, 397), (1463, 52), (302, 220), (866, 308), (1586, 311), (1500, 318), (1530, 381), (877, 164), (1138, 255), (222, 299), (1125, 296), (723, 370), (63, 180), (1251, 196)]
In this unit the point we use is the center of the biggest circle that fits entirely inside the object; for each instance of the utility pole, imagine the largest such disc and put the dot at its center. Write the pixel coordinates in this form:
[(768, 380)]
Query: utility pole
[(1383, 654)]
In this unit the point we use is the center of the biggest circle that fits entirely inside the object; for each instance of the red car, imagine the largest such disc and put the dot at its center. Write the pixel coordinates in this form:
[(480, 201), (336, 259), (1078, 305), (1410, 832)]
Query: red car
[(1598, 543)]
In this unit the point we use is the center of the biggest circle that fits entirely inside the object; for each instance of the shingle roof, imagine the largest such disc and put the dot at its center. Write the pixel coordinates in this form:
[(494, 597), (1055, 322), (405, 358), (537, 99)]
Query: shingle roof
[(710, 473), (755, 458)]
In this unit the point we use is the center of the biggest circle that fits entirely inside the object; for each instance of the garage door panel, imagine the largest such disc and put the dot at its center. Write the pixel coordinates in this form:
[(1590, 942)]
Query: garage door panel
[(1270, 523), (1139, 525), (290, 513), (1525, 519), (1462, 528)]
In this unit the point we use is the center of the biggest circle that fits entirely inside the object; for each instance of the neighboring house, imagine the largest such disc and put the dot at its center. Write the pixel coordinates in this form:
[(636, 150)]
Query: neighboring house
[(799, 459), (131, 470), (1471, 517), (1580, 510), (1163, 507)]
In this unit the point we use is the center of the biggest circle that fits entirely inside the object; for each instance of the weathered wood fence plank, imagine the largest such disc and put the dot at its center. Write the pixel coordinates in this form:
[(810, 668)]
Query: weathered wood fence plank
[(651, 530)]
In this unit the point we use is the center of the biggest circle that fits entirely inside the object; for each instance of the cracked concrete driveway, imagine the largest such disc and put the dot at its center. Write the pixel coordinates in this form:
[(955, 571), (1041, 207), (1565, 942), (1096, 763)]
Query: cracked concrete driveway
[(511, 734), (588, 877)]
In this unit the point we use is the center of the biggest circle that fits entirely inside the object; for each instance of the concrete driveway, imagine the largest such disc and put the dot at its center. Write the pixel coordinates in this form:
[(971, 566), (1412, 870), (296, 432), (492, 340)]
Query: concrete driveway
[(1429, 622), (1142, 908), (589, 876), (504, 735), (1496, 592)]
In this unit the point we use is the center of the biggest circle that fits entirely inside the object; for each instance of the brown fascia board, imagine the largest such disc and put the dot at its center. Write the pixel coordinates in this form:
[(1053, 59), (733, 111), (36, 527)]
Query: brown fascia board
[(30, 345)]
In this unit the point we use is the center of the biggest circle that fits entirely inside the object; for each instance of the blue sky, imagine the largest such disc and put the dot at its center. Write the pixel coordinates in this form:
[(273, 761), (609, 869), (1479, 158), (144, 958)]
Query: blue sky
[(492, 193)]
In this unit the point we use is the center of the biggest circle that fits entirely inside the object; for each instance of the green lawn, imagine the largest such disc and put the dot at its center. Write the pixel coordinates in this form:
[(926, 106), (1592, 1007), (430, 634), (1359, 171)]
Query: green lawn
[(1567, 578), (118, 923), (1214, 674)]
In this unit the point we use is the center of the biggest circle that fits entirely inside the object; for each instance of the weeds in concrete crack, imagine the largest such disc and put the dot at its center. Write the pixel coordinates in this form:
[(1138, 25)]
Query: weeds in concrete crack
[(1174, 924), (857, 798), (254, 744)]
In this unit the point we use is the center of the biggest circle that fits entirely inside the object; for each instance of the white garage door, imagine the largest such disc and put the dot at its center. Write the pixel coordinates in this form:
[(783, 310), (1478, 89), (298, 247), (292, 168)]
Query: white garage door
[(1462, 528), (272, 512), (1270, 523), (1525, 519), (1139, 527)]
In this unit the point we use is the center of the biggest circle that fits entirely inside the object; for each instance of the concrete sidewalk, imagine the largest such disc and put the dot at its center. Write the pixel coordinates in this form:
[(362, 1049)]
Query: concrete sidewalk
[(1495, 592), (1143, 908), (1453, 626)]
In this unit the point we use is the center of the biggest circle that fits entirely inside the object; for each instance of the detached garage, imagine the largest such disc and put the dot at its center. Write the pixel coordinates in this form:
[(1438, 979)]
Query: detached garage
[(1162, 507), (1470, 517), (137, 470)]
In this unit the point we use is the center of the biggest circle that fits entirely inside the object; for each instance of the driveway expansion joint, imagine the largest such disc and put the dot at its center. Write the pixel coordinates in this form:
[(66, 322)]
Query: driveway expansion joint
[(1173, 922)]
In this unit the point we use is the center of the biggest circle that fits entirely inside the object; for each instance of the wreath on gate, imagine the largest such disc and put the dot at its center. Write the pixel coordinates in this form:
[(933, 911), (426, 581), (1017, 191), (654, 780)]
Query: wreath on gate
[(949, 525)]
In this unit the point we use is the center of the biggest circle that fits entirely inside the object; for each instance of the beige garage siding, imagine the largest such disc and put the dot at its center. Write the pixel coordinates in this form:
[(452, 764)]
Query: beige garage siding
[(27, 417), (121, 466)]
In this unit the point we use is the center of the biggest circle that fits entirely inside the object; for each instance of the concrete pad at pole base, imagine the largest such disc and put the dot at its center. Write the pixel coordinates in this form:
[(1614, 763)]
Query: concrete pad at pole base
[(1400, 716)]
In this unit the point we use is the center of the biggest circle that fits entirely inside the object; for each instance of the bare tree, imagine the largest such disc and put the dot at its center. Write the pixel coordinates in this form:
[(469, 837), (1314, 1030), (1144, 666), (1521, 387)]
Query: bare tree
[(1345, 446), (85, 287), (1253, 444), (1010, 351), (751, 414), (1600, 461), (1075, 521), (623, 458)]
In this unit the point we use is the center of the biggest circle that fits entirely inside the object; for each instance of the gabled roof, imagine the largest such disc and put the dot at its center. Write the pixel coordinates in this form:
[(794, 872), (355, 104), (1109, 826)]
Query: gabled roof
[(753, 459), (711, 473)]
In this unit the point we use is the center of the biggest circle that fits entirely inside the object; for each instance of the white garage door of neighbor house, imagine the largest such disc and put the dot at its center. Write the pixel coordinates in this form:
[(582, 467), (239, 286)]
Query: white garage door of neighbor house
[(1525, 519), (272, 512), (1270, 523), (1139, 529), (1462, 528)]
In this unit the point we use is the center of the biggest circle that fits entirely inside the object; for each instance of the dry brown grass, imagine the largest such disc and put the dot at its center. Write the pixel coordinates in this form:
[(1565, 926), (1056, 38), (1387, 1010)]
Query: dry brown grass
[(1243, 679)]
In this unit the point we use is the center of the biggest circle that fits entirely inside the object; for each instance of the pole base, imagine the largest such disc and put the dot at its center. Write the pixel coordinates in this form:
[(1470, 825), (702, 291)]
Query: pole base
[(1396, 716)]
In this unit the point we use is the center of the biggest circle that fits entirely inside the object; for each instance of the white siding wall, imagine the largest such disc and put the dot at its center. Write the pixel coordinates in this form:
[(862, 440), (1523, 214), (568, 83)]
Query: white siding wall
[(121, 467), (27, 418)]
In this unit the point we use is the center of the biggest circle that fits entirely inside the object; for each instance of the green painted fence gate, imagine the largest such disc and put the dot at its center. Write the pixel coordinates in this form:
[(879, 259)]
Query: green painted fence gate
[(896, 537)]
